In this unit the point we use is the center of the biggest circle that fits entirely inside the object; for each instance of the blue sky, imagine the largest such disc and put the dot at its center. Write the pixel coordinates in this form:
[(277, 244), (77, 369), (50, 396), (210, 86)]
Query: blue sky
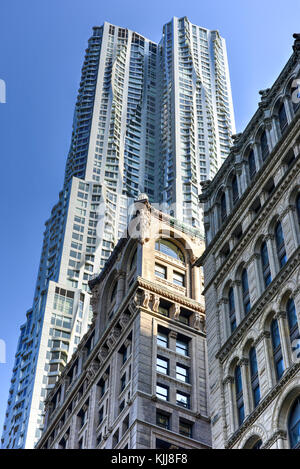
[(42, 44)]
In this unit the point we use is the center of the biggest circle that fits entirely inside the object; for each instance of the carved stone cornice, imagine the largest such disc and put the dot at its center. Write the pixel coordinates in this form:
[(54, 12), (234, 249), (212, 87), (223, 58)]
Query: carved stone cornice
[(262, 336), (165, 293)]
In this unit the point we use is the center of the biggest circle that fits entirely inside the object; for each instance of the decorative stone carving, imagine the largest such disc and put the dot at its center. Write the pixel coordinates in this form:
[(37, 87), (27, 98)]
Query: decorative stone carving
[(95, 299), (133, 304), (146, 299), (102, 354), (155, 305), (92, 371), (199, 322), (175, 311)]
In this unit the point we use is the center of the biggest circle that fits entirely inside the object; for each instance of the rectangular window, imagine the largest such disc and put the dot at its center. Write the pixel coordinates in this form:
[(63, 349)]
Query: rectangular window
[(183, 399), (162, 365), (123, 382), (162, 420), (178, 279), (162, 338), (162, 392), (182, 373), (185, 428), (182, 345), (160, 271)]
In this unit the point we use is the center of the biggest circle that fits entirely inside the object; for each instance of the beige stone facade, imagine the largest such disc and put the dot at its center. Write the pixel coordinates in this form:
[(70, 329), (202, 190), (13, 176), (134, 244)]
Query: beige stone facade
[(252, 276), (139, 377)]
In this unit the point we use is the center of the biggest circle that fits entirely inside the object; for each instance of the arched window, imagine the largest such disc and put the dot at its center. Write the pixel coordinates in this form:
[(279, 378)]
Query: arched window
[(170, 249), (281, 252), (292, 320), (294, 425), (232, 315), (277, 352), (223, 207), (265, 264), (257, 445), (239, 395), (252, 165), (114, 293), (235, 190), (133, 261), (298, 207), (283, 122), (264, 145), (245, 291), (254, 376)]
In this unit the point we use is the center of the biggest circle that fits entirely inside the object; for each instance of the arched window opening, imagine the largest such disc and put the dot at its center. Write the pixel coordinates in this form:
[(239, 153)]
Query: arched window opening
[(239, 395), (294, 425), (252, 165), (170, 249), (235, 190), (133, 261), (264, 145), (245, 291), (277, 351), (292, 320), (257, 445), (265, 264), (114, 293), (280, 245), (232, 313), (223, 207), (282, 117), (254, 376)]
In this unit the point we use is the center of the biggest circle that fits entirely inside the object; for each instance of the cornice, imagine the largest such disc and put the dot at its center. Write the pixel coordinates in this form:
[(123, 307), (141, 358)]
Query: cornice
[(176, 297)]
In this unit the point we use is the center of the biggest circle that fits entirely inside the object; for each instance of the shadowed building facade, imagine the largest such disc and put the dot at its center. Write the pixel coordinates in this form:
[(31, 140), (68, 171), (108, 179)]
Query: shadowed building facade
[(139, 376), (252, 276)]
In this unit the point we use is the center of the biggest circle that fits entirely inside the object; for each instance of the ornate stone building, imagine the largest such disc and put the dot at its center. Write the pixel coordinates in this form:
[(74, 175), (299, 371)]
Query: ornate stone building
[(252, 276), (139, 376)]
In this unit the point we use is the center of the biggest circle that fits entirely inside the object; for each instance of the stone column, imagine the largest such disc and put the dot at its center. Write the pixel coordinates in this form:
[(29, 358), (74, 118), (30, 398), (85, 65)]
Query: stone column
[(291, 211), (257, 157), (284, 338), (243, 363), (239, 308), (196, 283), (120, 288), (265, 337), (286, 101), (271, 124), (228, 384), (270, 240)]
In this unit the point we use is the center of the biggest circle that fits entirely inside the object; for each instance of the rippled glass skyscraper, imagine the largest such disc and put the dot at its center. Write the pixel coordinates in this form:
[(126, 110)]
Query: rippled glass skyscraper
[(152, 118)]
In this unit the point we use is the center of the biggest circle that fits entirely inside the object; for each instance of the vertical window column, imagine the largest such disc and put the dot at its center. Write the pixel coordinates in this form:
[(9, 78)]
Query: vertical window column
[(271, 252)]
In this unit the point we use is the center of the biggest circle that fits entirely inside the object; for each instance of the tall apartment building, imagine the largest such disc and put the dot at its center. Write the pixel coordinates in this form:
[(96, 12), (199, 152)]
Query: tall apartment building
[(252, 272), (138, 379), (152, 118)]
